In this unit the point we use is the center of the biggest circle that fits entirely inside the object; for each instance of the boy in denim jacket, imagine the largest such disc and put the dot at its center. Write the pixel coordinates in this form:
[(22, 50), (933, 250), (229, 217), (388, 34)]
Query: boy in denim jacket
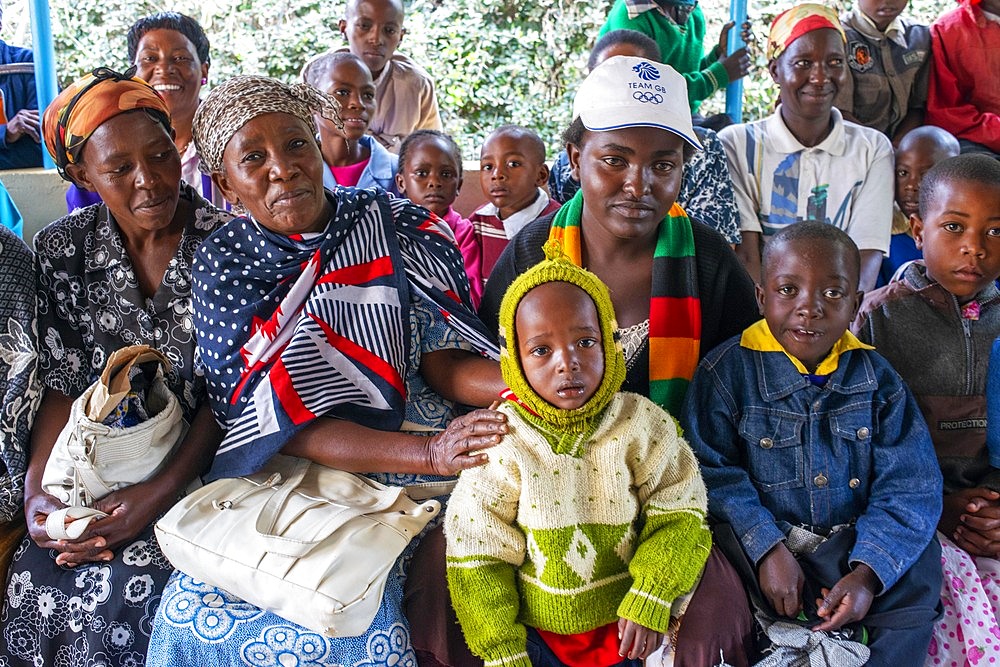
[(816, 455)]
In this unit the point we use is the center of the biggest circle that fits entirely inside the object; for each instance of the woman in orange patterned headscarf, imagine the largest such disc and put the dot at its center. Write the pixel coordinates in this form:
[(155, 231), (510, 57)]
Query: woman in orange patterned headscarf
[(87, 103), (109, 275)]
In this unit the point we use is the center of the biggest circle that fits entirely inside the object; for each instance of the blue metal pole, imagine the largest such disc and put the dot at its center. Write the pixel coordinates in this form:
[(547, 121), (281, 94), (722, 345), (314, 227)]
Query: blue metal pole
[(734, 92), (45, 62)]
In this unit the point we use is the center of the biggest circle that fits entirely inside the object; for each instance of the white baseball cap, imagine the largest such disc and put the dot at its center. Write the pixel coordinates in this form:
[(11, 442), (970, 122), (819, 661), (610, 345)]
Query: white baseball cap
[(625, 91)]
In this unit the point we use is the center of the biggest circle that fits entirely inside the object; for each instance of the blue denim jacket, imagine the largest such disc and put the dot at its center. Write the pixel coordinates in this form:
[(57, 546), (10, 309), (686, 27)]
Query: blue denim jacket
[(380, 170), (778, 451)]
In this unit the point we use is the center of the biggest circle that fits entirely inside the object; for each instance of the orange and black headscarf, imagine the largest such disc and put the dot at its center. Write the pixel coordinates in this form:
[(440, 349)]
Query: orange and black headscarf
[(87, 103), (793, 23)]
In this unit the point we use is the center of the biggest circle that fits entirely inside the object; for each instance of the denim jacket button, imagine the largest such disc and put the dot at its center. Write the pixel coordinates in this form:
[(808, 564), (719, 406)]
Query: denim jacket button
[(854, 483), (766, 443), (820, 480), (863, 432)]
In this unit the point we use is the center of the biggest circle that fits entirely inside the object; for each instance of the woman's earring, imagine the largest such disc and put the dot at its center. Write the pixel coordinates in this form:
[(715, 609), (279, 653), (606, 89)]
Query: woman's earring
[(204, 80)]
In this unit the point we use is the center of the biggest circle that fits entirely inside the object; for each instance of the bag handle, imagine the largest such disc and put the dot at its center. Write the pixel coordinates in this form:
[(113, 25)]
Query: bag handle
[(57, 528)]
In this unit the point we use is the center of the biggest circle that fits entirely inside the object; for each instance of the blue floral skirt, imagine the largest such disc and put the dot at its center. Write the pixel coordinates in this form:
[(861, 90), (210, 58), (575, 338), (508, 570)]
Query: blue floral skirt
[(98, 615), (198, 624)]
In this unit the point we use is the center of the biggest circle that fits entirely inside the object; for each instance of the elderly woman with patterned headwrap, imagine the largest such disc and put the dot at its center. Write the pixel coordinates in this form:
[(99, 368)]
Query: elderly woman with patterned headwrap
[(330, 325), (109, 275), (805, 162)]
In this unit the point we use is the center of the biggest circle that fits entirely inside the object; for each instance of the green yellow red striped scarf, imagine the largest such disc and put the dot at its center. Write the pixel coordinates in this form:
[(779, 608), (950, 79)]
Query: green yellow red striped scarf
[(674, 308)]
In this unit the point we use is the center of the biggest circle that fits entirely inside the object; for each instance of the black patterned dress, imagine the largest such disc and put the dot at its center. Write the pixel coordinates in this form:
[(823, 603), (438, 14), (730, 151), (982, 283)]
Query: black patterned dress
[(89, 305), (19, 389)]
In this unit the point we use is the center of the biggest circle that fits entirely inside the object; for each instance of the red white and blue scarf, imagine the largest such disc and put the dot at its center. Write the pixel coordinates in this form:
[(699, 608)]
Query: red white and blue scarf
[(291, 329)]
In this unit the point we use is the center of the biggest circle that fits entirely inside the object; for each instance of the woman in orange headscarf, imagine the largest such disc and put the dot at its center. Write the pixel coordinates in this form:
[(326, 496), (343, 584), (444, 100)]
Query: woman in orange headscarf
[(110, 275)]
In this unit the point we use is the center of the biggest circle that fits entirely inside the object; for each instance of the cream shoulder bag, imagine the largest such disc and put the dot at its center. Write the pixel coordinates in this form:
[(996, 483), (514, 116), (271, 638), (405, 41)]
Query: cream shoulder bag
[(90, 458), (312, 544)]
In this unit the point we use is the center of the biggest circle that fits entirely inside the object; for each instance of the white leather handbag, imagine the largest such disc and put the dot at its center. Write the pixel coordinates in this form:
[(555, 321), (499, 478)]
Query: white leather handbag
[(312, 544), (89, 459)]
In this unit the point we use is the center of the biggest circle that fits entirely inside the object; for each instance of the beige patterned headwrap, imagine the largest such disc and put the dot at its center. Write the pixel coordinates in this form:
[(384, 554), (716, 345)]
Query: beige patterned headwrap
[(237, 101)]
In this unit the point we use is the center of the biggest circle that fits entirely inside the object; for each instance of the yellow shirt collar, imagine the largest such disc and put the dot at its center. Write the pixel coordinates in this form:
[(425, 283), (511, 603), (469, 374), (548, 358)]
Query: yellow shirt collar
[(759, 337)]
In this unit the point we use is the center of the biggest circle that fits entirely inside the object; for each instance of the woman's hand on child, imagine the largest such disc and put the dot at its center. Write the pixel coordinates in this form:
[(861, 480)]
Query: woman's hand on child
[(781, 581), (849, 600), (460, 445), (637, 641)]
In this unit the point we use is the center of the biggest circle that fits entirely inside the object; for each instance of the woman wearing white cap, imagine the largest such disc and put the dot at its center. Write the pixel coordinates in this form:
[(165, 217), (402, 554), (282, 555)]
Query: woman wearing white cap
[(677, 287)]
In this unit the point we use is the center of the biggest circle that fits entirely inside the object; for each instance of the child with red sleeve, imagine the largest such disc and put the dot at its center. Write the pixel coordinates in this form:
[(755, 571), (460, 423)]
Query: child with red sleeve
[(965, 52)]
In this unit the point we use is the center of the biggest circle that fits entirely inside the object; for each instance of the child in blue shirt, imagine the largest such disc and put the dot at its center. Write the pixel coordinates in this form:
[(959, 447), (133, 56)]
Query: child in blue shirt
[(353, 157), (815, 454)]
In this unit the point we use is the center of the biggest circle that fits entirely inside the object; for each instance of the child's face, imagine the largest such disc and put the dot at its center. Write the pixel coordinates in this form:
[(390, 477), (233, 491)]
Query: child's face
[(810, 74), (374, 29), (882, 12), (911, 165), (559, 342), (809, 295), (960, 236), (351, 84), (430, 176), (510, 173)]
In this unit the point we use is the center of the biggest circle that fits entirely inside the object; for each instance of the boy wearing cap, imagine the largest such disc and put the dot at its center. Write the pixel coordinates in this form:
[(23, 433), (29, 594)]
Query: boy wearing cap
[(805, 162)]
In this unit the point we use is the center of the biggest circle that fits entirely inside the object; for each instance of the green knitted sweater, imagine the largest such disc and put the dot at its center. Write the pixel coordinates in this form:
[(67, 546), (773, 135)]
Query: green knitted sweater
[(681, 47), (568, 541)]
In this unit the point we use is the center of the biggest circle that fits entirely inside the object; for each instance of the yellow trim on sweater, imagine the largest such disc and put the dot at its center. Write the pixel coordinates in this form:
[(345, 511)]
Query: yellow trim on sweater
[(759, 337)]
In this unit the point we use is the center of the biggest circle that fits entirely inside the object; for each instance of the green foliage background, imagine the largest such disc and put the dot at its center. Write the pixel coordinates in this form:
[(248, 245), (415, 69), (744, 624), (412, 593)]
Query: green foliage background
[(494, 61)]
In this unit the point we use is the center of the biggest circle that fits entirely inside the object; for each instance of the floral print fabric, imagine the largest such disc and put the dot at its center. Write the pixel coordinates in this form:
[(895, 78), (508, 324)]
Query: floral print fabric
[(97, 615), (89, 305), (19, 387)]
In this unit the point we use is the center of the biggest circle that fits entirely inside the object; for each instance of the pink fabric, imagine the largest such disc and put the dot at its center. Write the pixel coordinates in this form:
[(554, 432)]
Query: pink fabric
[(968, 633), (349, 175), (964, 94), (465, 238)]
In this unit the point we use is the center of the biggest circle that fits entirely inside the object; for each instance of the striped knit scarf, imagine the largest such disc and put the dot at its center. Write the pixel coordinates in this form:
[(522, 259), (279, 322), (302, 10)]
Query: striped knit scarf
[(674, 307)]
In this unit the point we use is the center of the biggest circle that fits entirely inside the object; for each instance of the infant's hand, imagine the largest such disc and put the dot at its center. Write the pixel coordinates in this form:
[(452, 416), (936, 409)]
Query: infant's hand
[(637, 641), (781, 580), (849, 600)]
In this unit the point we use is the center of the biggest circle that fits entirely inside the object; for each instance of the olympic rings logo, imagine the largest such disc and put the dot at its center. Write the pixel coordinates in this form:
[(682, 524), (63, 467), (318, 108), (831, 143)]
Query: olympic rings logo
[(642, 96)]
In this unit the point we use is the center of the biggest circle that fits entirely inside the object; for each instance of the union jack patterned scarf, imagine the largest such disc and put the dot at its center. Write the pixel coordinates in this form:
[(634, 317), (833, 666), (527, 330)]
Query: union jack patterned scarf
[(291, 329), (674, 305)]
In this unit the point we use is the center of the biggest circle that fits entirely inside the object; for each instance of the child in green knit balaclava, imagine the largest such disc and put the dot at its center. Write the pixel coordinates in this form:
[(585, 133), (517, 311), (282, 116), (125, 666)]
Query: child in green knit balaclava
[(573, 543)]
